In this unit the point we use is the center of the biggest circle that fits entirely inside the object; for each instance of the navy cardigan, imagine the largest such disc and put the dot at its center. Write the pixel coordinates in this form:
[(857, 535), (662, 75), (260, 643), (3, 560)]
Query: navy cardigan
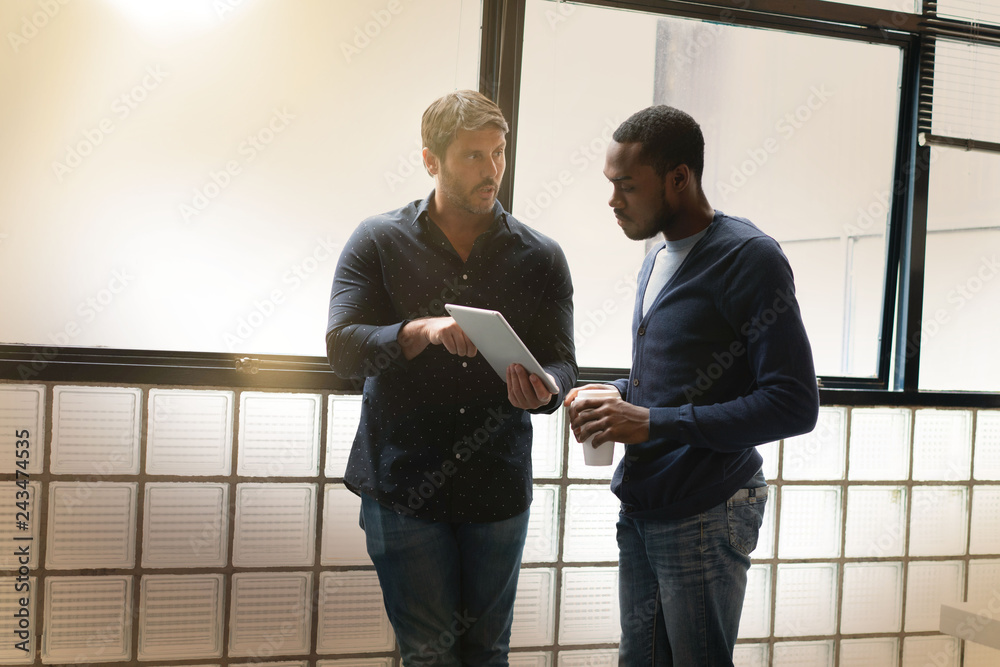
[(723, 362)]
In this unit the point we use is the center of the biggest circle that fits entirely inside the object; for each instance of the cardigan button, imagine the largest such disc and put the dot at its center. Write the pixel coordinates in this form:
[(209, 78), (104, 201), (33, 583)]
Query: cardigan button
[(642, 331), (635, 383)]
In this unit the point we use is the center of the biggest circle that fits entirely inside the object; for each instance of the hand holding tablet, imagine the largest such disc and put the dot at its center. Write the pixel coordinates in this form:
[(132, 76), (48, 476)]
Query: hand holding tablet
[(498, 342)]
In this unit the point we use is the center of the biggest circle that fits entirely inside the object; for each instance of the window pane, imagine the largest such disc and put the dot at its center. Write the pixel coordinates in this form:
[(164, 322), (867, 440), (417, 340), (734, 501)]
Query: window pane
[(966, 90), (961, 287), (984, 11), (565, 122), (783, 140), (872, 598), (184, 179)]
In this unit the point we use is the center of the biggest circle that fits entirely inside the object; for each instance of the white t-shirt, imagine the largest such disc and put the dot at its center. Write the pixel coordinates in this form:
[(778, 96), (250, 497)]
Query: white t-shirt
[(667, 261)]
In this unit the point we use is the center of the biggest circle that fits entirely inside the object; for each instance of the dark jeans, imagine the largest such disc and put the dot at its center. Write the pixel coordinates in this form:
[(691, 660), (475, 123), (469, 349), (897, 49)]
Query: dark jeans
[(681, 583), (448, 588)]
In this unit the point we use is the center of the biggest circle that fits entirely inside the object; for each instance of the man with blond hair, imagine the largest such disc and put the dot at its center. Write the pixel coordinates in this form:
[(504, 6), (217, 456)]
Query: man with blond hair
[(442, 456)]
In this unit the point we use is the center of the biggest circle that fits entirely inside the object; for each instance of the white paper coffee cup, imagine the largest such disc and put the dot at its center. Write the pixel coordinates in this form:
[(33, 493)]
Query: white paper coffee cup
[(603, 454)]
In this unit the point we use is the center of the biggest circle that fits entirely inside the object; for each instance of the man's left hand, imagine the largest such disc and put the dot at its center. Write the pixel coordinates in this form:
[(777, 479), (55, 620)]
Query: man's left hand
[(526, 390), (608, 420)]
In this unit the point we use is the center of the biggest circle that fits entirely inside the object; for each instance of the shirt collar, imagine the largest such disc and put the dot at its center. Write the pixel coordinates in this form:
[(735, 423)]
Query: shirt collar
[(499, 214)]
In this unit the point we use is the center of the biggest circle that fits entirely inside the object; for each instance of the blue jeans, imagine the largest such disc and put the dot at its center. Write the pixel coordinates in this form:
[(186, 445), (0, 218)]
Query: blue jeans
[(682, 582), (448, 588)]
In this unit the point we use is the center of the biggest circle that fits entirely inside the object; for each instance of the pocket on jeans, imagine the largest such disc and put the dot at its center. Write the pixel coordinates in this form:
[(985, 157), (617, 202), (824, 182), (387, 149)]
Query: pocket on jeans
[(745, 514)]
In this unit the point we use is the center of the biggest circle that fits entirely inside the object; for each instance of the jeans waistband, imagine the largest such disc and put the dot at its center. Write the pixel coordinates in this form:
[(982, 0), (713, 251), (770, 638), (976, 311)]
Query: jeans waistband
[(754, 494)]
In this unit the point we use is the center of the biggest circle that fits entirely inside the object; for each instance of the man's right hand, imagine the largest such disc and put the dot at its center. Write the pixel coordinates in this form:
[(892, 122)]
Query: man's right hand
[(416, 335)]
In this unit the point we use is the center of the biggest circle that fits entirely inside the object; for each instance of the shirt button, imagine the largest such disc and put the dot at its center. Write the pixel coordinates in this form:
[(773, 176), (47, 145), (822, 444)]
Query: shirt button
[(465, 364), (465, 276), (635, 383), (461, 411), (642, 331), (458, 456)]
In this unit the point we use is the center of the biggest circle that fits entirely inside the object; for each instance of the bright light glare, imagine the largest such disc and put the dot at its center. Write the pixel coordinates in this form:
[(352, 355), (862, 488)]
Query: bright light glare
[(169, 15)]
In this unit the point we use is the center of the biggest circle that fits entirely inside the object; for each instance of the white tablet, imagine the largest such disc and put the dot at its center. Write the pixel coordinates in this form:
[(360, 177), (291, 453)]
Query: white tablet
[(497, 341)]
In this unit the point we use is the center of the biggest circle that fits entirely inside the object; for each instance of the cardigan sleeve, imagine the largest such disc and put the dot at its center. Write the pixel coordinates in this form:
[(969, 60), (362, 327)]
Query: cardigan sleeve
[(783, 400)]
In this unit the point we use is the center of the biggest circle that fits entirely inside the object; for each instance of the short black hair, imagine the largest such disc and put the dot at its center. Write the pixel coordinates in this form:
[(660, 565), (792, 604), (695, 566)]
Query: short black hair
[(668, 137)]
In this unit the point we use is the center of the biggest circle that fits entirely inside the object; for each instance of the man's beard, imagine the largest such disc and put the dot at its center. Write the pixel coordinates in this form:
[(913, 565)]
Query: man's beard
[(663, 219), (450, 190)]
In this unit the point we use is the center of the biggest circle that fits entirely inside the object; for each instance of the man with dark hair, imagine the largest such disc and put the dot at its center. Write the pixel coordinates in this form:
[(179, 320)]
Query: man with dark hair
[(442, 457), (720, 363)]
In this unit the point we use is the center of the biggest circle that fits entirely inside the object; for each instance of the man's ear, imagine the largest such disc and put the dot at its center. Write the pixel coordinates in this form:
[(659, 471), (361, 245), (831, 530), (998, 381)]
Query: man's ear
[(680, 178), (431, 162)]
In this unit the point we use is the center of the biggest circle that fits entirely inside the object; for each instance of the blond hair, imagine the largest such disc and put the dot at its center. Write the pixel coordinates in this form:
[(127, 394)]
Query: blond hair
[(460, 110)]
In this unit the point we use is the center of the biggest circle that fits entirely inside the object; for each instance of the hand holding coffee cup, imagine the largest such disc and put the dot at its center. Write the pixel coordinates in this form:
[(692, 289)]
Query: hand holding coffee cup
[(603, 454)]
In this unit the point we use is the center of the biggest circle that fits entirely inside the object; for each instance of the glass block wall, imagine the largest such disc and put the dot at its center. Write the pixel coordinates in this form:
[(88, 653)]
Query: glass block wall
[(161, 525)]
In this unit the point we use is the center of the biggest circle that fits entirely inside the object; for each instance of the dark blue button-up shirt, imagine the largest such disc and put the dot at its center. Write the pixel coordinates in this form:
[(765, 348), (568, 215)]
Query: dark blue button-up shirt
[(438, 437)]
